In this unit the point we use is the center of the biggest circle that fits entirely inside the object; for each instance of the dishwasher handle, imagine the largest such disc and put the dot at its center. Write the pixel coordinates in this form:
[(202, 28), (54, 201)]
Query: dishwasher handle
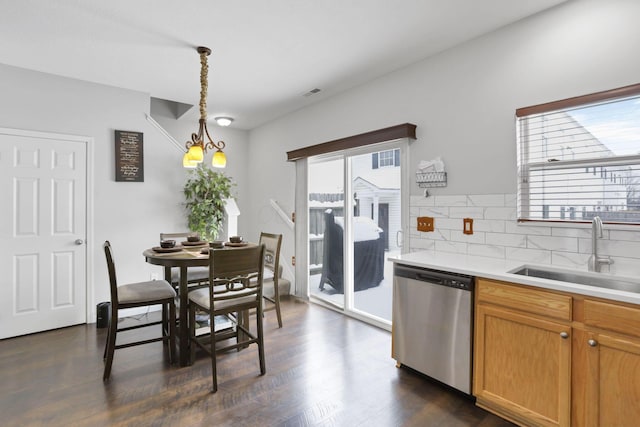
[(435, 277), (423, 277)]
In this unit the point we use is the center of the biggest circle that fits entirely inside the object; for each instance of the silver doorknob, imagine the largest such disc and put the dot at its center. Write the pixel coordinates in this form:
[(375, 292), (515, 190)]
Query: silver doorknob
[(564, 335), (79, 241), (592, 343)]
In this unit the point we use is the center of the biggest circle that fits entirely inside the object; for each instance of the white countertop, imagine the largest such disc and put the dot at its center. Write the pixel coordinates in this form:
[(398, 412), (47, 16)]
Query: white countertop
[(492, 268)]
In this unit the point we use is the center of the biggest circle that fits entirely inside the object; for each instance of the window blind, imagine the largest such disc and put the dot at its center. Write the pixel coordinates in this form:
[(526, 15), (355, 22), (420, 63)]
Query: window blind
[(580, 161)]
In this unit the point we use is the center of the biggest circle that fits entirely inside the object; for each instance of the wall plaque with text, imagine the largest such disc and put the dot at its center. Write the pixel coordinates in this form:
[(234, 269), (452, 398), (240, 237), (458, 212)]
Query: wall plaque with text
[(129, 159)]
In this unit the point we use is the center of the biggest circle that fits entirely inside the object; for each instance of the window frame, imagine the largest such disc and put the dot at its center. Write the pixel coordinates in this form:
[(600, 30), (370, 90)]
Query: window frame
[(525, 167)]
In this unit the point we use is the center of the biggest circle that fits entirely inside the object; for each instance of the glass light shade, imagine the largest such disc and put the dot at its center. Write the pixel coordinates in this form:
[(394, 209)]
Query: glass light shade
[(196, 153), (187, 162), (219, 160), (223, 121)]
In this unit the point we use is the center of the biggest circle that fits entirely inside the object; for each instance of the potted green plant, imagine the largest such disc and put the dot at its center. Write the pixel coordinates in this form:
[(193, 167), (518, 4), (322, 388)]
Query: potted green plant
[(205, 193)]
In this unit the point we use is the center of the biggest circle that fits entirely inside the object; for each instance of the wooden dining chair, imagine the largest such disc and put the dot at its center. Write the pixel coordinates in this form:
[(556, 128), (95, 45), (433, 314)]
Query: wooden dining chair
[(235, 287), (272, 272), (196, 276), (140, 294)]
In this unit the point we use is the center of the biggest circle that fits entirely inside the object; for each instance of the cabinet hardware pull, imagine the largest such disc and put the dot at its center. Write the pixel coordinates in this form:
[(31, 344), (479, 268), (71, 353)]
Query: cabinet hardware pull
[(564, 335), (592, 343)]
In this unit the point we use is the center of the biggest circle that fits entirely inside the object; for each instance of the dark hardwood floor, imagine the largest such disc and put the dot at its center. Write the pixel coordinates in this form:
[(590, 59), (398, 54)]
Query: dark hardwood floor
[(323, 369)]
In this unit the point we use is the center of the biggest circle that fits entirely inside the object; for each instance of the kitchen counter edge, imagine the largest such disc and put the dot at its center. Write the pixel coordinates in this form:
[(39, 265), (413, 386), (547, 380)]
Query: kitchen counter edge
[(498, 269)]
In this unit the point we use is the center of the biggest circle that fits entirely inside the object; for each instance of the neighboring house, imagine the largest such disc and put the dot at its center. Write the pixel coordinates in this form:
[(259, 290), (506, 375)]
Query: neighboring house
[(577, 191)]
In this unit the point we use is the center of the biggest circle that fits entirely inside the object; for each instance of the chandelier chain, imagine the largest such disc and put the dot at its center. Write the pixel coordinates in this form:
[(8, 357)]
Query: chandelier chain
[(204, 71)]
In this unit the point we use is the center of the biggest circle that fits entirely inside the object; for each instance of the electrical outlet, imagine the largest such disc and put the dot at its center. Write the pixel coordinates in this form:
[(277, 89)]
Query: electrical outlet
[(425, 223), (467, 225), (293, 260)]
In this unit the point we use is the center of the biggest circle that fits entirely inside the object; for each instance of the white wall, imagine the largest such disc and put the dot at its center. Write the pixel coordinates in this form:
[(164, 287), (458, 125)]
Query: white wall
[(130, 215), (463, 100)]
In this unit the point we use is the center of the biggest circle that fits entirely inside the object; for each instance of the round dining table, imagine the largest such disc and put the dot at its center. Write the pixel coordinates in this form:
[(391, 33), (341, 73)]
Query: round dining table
[(183, 257)]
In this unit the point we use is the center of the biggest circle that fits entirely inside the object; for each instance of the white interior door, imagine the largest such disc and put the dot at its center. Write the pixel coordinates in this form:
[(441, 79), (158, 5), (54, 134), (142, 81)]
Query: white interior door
[(43, 215)]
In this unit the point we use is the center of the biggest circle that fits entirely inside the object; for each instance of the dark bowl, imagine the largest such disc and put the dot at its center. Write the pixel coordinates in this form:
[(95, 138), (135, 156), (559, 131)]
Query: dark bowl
[(193, 238), (167, 244), (235, 239)]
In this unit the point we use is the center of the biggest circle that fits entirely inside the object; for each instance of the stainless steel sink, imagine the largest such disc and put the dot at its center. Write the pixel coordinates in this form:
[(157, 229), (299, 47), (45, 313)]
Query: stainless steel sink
[(591, 279)]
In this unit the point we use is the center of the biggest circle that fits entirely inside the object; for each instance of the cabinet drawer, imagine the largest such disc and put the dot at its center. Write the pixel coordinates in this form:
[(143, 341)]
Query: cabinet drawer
[(523, 298), (613, 317)]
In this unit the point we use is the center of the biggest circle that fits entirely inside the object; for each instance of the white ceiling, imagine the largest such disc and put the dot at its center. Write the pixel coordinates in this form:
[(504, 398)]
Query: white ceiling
[(266, 53)]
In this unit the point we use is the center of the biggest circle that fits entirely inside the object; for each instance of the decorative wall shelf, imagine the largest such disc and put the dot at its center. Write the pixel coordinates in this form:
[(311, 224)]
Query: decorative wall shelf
[(431, 179)]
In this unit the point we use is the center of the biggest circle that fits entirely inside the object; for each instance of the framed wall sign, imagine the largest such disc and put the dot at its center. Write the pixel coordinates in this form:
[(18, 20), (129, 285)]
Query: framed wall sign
[(129, 156)]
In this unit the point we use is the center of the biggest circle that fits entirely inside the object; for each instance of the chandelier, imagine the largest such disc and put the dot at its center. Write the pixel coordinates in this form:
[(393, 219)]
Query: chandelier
[(198, 146)]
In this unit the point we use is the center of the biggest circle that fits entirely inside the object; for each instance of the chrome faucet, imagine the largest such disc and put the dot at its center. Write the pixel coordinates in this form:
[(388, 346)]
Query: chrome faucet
[(595, 261)]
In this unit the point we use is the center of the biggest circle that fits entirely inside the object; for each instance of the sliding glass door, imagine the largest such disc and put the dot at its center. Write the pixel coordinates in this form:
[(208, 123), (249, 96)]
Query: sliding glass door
[(355, 224), (326, 240)]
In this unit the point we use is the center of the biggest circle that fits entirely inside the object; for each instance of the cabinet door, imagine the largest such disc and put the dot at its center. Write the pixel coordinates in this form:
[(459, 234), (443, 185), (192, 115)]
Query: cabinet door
[(522, 367), (613, 382)]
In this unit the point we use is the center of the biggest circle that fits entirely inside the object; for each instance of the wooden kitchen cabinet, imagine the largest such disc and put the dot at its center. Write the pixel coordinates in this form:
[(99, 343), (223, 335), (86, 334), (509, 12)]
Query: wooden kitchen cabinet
[(522, 360), (551, 358), (606, 365)]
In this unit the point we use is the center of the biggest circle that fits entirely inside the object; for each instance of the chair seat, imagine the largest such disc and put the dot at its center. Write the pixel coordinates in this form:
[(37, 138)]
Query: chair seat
[(194, 274), (201, 297), (152, 290), (138, 294)]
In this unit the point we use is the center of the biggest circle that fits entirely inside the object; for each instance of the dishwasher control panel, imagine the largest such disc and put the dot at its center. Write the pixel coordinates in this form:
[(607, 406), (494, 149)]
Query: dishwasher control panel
[(441, 278)]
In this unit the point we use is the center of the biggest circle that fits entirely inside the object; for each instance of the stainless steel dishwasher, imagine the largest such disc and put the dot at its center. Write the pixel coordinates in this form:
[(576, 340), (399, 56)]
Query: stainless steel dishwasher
[(432, 324)]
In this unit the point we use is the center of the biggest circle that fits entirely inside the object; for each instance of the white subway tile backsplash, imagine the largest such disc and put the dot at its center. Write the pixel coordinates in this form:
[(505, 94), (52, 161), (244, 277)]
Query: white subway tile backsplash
[(633, 236), (505, 239), (484, 200), (569, 259), (535, 256), (584, 246), (436, 211), (448, 223), (449, 246), (450, 200), (626, 267), (459, 236), (568, 244), (422, 244), (437, 234), (486, 250), (517, 228), (500, 213), (489, 225), (571, 232), (466, 212), (619, 248), (497, 234)]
